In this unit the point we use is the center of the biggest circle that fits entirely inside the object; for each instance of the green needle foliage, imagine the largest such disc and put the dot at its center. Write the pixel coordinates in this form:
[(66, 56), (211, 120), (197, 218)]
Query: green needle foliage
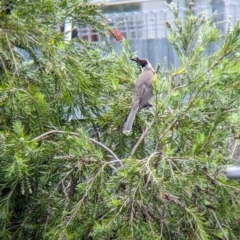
[(68, 172)]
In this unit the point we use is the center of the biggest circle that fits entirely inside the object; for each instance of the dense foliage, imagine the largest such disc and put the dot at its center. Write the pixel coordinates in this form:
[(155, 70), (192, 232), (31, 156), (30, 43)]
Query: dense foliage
[(68, 172)]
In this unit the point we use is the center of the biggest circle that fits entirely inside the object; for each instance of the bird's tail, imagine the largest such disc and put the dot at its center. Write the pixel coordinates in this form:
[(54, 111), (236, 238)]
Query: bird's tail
[(128, 124)]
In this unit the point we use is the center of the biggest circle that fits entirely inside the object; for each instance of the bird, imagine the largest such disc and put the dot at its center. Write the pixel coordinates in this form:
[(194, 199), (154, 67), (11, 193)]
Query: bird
[(143, 92)]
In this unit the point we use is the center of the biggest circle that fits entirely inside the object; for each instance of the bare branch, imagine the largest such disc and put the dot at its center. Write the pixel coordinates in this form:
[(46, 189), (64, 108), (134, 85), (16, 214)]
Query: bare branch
[(104, 147), (52, 132)]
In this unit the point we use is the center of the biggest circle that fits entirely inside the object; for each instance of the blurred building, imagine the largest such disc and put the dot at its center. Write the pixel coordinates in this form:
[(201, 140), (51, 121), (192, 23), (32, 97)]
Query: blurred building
[(145, 19), (143, 22)]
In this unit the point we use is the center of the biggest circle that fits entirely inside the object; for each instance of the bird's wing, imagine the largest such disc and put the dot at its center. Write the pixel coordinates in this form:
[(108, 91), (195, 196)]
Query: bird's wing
[(146, 96), (138, 93)]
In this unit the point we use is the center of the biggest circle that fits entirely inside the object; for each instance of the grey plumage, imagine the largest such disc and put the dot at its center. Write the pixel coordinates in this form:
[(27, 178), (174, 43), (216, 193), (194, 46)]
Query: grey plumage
[(142, 93)]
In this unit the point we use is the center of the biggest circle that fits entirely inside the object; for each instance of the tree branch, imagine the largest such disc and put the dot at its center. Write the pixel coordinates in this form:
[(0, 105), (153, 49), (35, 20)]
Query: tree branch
[(218, 223), (48, 134), (142, 137), (106, 148)]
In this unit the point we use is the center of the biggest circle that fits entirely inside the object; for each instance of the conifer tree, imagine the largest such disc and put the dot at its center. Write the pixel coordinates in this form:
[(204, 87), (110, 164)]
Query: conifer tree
[(68, 172)]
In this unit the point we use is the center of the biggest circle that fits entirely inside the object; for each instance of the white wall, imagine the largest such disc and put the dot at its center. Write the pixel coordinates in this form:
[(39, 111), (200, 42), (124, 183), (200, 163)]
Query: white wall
[(158, 12)]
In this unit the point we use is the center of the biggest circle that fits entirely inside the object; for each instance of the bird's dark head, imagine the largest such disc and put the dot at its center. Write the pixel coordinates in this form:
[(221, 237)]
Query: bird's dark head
[(141, 61)]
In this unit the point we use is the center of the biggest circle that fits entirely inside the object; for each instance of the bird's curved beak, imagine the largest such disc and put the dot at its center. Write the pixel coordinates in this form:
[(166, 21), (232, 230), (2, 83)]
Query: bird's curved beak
[(134, 59)]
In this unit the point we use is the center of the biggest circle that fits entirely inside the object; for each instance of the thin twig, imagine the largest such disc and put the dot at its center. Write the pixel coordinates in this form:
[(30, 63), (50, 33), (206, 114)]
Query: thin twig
[(14, 60), (106, 148), (82, 199), (142, 137), (4, 66), (147, 168), (218, 223), (48, 134), (169, 127), (113, 161), (61, 182), (180, 86)]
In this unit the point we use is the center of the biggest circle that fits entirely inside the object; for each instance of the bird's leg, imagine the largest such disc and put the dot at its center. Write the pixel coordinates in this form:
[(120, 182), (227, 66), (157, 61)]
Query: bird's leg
[(147, 105)]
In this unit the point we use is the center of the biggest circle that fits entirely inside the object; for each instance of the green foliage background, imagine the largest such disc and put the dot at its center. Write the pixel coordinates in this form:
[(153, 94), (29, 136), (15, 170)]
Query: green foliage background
[(63, 177)]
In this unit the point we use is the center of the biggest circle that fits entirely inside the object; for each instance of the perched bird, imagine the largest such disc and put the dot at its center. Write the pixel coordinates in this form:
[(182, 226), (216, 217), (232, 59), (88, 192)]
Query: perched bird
[(142, 93)]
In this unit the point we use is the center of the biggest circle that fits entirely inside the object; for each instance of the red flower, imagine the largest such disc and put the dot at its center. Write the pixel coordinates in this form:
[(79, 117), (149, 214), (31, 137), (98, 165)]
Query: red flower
[(115, 33)]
